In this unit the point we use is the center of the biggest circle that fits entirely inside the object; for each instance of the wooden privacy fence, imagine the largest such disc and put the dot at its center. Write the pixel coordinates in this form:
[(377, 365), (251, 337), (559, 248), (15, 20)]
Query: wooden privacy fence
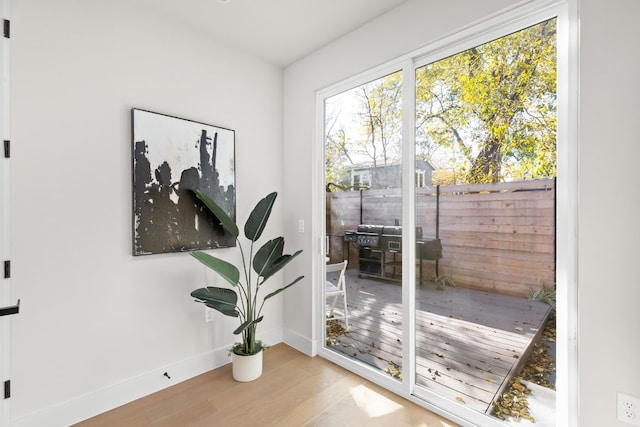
[(495, 237)]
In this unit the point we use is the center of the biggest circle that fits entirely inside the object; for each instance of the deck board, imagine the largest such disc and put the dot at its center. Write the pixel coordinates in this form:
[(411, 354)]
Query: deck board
[(469, 342)]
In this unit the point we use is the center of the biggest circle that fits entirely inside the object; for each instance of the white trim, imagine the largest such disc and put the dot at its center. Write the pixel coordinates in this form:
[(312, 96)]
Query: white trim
[(409, 227), (113, 396), (567, 409), (300, 342), (97, 402), (5, 243), (318, 229)]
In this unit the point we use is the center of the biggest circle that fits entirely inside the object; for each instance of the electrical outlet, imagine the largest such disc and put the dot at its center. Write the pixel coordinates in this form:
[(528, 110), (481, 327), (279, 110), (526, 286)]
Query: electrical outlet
[(628, 409), (208, 314)]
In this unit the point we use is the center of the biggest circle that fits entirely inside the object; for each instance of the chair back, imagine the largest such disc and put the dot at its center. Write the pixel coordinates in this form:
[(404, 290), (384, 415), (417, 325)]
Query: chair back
[(341, 267)]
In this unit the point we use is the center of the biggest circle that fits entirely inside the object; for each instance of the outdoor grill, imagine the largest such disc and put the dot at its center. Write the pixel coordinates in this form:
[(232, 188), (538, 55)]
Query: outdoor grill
[(383, 237), (378, 246)]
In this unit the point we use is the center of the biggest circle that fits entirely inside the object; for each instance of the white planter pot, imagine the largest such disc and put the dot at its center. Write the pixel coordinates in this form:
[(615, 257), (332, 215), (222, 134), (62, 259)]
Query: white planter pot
[(246, 368)]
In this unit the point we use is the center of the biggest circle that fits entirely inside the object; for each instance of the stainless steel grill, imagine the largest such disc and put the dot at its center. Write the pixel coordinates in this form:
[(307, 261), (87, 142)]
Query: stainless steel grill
[(378, 246)]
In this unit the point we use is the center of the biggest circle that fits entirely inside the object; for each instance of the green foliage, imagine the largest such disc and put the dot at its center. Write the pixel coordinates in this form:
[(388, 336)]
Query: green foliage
[(544, 294), (227, 271), (441, 281), (258, 218), (493, 107), (268, 260), (219, 213), (221, 299)]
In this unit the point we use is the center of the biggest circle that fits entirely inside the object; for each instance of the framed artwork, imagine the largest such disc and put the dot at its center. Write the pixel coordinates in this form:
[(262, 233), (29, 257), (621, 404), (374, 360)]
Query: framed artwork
[(170, 158)]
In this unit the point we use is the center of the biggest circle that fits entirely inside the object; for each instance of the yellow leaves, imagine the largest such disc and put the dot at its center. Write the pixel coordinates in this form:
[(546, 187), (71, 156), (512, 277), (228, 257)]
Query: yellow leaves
[(540, 365), (394, 370), (504, 91), (519, 387), (335, 331), (513, 403)]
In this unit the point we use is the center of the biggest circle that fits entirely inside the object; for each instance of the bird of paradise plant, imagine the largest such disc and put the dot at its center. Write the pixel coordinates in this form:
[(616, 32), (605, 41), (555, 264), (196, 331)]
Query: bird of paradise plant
[(243, 299)]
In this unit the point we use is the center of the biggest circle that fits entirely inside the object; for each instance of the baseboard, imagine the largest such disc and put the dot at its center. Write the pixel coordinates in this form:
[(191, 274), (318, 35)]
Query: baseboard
[(97, 402), (300, 342)]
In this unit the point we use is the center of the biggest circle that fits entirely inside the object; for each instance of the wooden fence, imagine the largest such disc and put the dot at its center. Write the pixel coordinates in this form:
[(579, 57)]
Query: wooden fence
[(495, 237)]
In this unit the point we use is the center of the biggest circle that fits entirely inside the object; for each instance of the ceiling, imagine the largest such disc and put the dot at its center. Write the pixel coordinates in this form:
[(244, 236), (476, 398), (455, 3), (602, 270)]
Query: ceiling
[(278, 31)]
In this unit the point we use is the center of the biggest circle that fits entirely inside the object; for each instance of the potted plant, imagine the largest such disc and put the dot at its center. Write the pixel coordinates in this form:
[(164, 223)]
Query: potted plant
[(244, 298)]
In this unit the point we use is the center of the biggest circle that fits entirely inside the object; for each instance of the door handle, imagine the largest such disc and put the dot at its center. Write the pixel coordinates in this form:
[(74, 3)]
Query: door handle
[(7, 311)]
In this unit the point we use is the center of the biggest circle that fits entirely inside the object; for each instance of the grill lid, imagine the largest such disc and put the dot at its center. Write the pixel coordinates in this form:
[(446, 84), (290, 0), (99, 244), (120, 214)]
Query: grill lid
[(369, 228), (387, 230)]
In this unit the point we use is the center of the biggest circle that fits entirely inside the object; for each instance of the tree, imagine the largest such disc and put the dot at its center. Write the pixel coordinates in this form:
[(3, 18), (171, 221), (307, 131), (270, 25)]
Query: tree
[(380, 116), (491, 110), (336, 161), (363, 125), (337, 157)]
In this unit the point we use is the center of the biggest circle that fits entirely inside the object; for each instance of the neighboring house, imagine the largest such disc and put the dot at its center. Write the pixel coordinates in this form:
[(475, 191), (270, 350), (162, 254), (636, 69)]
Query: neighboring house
[(390, 176)]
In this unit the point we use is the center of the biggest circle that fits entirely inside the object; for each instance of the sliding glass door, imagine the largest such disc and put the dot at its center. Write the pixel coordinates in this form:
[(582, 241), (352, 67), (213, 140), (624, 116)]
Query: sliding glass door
[(440, 183)]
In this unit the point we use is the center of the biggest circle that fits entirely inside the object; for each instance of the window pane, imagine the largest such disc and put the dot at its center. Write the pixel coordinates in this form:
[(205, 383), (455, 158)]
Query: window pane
[(486, 123), (363, 164)]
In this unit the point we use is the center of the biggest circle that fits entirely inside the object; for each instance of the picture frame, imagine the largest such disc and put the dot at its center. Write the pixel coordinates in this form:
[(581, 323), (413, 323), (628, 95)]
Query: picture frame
[(171, 157)]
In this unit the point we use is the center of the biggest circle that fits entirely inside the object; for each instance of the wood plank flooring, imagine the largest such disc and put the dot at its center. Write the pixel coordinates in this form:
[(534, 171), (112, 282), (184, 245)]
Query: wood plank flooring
[(469, 342), (294, 390)]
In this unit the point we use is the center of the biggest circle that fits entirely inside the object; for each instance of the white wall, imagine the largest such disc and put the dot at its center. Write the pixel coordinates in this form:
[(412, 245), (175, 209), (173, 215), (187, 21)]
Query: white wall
[(609, 149), (92, 315), (609, 208)]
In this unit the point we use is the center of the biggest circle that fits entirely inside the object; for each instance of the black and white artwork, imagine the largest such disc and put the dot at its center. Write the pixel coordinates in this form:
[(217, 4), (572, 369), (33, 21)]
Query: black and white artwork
[(172, 157)]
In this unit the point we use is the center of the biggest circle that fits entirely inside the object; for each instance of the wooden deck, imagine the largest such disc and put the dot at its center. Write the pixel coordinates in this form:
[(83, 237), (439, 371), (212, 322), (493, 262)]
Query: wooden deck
[(470, 343)]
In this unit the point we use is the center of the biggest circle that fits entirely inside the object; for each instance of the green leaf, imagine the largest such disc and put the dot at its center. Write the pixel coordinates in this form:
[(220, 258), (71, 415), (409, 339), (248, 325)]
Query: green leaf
[(246, 324), (278, 265), (215, 209), (269, 253), (259, 216), (274, 293), (221, 299), (227, 271)]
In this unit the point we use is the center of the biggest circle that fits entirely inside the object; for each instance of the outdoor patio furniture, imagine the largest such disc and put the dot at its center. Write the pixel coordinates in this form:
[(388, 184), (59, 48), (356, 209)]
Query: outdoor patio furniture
[(337, 289)]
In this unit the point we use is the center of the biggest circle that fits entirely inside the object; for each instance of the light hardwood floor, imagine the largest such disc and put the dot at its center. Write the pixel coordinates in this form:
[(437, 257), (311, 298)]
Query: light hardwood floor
[(294, 390)]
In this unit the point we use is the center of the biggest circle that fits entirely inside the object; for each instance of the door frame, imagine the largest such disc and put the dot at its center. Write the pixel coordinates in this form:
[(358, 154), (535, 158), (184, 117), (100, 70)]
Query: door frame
[(5, 291)]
